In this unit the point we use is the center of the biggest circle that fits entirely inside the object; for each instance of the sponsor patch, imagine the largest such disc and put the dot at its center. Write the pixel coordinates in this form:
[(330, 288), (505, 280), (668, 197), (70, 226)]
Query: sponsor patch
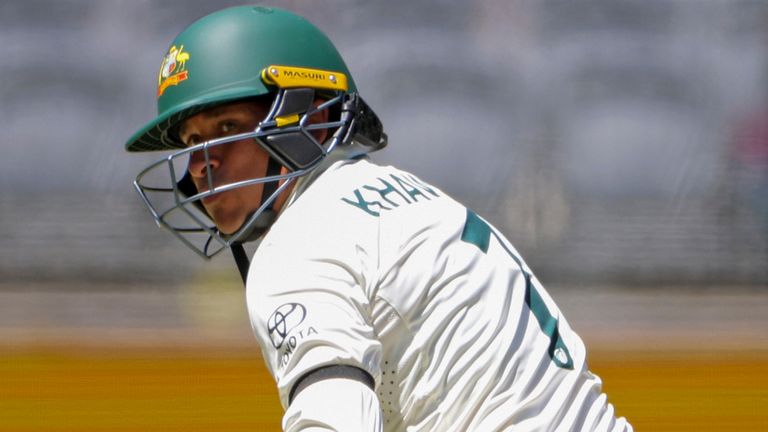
[(284, 319)]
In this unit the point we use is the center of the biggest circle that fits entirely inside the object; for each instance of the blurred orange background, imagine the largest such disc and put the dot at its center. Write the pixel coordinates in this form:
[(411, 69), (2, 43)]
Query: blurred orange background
[(704, 368)]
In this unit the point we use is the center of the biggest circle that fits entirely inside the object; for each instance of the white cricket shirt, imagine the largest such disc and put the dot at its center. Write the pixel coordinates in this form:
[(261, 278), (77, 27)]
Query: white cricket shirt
[(374, 268)]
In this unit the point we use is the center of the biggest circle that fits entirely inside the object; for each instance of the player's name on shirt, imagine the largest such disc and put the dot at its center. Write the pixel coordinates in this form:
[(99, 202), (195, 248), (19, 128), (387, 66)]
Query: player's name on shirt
[(390, 193)]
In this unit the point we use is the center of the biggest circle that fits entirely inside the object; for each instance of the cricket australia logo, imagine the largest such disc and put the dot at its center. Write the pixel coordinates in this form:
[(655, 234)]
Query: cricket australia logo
[(284, 319), (173, 70)]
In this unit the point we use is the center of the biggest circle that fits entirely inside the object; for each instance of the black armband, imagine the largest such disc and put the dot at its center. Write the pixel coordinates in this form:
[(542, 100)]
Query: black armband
[(328, 372)]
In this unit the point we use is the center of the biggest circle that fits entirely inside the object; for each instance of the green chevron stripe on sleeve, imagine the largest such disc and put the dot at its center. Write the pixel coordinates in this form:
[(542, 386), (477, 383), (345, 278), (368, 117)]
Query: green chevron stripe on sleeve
[(476, 231)]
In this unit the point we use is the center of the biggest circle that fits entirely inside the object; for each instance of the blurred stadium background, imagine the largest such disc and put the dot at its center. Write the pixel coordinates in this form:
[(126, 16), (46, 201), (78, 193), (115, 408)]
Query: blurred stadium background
[(621, 145)]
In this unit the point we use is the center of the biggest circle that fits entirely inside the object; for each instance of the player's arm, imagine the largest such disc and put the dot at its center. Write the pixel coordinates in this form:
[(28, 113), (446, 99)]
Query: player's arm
[(333, 398)]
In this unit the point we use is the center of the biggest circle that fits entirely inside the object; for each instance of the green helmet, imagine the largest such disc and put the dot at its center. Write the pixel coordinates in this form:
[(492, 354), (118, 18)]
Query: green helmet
[(242, 53), (220, 58)]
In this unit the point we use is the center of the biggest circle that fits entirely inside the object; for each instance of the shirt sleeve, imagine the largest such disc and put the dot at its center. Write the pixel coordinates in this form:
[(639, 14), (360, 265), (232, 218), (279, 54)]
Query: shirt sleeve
[(311, 284), (309, 311), (338, 405)]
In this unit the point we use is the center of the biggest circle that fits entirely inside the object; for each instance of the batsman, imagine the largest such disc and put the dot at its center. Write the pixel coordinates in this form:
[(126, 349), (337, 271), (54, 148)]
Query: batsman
[(378, 301)]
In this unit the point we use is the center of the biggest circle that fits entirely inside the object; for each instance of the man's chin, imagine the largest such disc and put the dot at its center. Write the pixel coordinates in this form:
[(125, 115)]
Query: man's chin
[(228, 226), (231, 227), (228, 230)]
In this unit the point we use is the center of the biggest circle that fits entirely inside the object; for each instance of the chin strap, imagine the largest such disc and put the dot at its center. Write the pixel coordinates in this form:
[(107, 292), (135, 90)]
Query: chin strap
[(241, 259)]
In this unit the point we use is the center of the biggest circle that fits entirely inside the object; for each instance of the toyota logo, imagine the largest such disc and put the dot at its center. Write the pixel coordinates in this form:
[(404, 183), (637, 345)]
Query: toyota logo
[(284, 319)]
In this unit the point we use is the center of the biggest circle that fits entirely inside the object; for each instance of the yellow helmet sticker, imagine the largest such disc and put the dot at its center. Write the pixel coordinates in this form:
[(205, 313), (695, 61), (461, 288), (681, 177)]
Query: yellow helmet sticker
[(173, 70), (292, 77), (287, 120)]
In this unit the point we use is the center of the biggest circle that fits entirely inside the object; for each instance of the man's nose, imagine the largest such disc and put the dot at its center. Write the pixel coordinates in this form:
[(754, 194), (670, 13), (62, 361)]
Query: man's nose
[(199, 165)]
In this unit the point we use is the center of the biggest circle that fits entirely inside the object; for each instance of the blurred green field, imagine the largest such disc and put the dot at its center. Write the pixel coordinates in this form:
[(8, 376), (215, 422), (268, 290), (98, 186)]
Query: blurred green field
[(207, 389)]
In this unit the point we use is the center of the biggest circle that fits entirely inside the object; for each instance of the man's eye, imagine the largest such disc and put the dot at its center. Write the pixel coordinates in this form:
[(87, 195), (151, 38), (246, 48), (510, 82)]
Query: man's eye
[(228, 127)]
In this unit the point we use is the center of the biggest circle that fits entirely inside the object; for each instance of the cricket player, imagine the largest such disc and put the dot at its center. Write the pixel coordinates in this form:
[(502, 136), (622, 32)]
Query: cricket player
[(378, 301)]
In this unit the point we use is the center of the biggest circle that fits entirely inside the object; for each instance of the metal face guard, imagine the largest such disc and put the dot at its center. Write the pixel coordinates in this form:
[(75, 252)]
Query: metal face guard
[(285, 133)]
